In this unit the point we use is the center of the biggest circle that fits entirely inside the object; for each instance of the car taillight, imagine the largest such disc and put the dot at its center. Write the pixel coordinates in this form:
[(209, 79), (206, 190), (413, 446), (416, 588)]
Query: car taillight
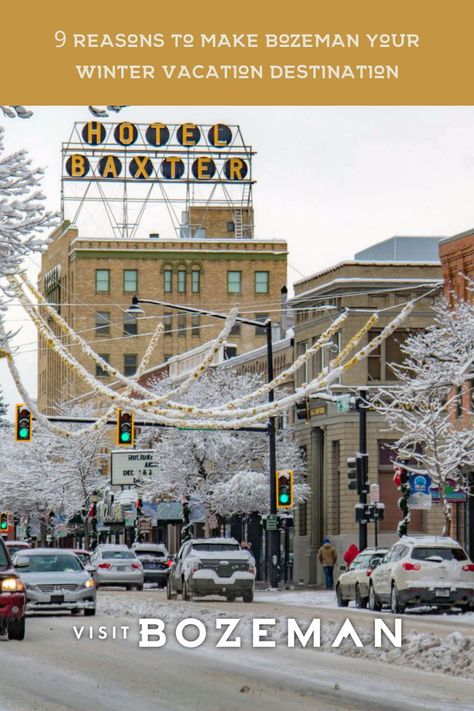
[(411, 566), (469, 567), (136, 566), (169, 563), (104, 565)]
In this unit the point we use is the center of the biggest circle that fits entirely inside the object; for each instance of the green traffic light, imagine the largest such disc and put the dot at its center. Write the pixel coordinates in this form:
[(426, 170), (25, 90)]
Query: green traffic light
[(284, 497), (23, 433), (3, 524), (125, 437)]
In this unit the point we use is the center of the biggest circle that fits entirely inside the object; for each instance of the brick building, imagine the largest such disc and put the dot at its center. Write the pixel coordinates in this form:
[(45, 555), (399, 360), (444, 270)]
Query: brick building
[(457, 262), (215, 265), (331, 437)]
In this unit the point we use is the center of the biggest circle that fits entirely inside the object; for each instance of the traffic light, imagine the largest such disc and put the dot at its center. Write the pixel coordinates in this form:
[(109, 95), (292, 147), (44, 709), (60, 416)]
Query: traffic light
[(23, 421), (303, 410), (352, 473), (3, 521), (284, 489), (125, 429)]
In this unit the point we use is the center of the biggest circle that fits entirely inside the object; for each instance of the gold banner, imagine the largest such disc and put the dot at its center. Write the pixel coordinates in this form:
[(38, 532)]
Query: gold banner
[(370, 52)]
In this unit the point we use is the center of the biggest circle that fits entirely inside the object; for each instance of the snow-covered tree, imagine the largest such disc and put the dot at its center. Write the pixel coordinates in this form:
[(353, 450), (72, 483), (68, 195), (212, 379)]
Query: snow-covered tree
[(421, 409), (51, 473), (228, 471), (22, 213), (3, 409)]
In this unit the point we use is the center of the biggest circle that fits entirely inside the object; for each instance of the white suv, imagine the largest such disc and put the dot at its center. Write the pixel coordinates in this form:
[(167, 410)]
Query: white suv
[(423, 570)]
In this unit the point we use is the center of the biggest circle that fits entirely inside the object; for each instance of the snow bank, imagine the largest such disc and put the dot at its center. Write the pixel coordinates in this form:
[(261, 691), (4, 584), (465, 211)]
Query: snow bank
[(428, 652)]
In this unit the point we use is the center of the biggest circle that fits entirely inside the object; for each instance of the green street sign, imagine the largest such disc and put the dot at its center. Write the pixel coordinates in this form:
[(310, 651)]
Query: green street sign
[(343, 403), (272, 522)]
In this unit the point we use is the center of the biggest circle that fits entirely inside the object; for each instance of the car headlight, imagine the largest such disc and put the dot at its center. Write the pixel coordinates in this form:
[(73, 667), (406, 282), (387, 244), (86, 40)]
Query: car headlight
[(11, 585), (89, 583)]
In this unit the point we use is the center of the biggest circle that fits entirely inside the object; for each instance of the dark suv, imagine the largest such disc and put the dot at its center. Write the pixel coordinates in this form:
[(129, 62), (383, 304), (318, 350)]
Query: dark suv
[(12, 598)]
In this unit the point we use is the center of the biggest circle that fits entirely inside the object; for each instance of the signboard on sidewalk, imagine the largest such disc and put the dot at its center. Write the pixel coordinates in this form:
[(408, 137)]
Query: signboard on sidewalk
[(420, 491), (132, 465)]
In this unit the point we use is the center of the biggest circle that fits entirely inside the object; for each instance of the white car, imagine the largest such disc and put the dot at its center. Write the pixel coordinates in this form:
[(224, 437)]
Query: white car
[(212, 566), (423, 570), (116, 565), (354, 583)]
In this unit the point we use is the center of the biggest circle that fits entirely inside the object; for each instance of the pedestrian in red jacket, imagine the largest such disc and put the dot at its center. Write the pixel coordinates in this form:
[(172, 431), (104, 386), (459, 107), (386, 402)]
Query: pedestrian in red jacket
[(351, 553)]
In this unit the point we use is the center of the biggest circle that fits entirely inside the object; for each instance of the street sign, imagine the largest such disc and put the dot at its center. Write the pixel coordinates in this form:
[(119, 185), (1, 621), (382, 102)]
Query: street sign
[(129, 518), (343, 403), (374, 493), (127, 467), (272, 522), (420, 491)]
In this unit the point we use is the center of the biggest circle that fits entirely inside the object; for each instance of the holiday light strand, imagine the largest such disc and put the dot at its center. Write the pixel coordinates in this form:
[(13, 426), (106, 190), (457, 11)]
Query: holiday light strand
[(256, 414), (88, 351)]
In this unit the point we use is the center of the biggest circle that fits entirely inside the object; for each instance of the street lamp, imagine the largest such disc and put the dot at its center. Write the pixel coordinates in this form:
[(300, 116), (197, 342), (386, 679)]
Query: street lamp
[(273, 536)]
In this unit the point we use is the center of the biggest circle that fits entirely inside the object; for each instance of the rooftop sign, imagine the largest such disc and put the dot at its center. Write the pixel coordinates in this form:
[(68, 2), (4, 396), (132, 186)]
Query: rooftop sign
[(157, 152)]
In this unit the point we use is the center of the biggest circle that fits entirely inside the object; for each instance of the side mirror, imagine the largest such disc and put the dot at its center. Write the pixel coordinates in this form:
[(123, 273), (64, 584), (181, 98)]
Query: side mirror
[(22, 562)]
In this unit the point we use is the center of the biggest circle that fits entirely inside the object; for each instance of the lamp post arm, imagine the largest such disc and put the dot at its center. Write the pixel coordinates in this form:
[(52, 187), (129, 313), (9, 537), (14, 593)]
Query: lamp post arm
[(202, 312)]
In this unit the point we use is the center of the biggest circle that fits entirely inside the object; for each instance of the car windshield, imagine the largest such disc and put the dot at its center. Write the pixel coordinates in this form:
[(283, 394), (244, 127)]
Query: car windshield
[(3, 557), (48, 563), (117, 554), (441, 552), (216, 547)]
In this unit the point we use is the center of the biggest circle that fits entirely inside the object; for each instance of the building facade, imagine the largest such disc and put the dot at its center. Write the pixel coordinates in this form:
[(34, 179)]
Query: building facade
[(92, 280), (331, 437)]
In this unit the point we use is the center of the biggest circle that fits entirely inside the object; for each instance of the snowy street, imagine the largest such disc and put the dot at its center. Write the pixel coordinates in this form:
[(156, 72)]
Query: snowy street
[(53, 670)]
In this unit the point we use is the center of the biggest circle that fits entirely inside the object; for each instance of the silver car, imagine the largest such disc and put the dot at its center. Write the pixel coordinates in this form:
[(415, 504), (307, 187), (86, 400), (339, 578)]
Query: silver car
[(55, 579), (116, 565)]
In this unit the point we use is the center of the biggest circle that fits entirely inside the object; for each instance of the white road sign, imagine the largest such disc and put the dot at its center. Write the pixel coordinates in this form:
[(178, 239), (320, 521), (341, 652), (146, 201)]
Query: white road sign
[(128, 467)]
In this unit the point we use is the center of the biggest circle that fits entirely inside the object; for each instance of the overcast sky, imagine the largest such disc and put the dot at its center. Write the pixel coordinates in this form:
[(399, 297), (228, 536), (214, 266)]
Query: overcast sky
[(330, 180)]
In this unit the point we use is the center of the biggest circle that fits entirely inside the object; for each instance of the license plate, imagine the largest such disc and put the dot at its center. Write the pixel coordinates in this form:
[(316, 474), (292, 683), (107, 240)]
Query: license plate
[(56, 599), (442, 592), (120, 568)]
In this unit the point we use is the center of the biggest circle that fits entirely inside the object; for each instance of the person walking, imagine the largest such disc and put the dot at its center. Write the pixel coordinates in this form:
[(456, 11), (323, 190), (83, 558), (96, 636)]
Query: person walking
[(327, 557), (351, 553)]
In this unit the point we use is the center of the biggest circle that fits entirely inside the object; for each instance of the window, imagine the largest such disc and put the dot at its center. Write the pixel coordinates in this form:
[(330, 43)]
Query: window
[(195, 281), (235, 330), (195, 325), (389, 351), (168, 324), (129, 364), (130, 325), (231, 226), (234, 282), (262, 281), (302, 373), (181, 325), (167, 281), (181, 281), (102, 323), (130, 281), (260, 330), (100, 372), (102, 281), (317, 359)]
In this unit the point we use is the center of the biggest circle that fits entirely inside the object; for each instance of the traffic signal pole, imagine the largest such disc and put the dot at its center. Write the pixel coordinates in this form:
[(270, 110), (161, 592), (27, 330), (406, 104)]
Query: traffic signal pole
[(363, 450), (273, 536)]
